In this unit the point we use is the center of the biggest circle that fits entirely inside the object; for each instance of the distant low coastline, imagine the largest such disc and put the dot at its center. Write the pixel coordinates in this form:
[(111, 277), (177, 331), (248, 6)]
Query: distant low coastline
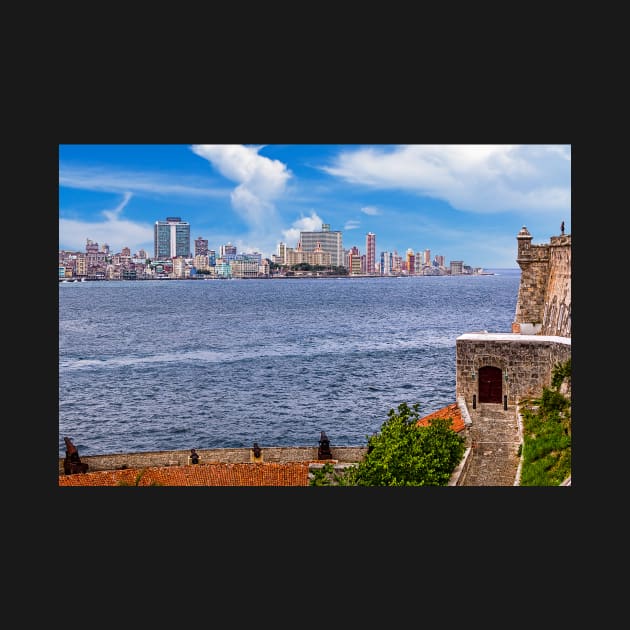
[(307, 276)]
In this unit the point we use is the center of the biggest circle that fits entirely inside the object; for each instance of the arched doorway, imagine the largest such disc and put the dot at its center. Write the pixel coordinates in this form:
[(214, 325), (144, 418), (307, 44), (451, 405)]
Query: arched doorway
[(490, 384)]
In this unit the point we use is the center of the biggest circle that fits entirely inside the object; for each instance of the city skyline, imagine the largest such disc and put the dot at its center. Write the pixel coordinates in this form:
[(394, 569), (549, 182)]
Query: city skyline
[(464, 202)]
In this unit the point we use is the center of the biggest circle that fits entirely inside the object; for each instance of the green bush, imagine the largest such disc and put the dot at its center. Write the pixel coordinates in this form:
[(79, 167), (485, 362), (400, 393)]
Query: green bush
[(546, 449), (405, 454)]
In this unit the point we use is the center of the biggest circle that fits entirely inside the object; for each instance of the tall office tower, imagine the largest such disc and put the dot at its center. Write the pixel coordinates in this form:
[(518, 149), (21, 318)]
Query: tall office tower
[(201, 246), (427, 257), (171, 238), (370, 252), (330, 241)]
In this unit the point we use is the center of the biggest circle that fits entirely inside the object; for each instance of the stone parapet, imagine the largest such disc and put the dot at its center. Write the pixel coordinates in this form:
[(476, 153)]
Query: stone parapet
[(282, 455)]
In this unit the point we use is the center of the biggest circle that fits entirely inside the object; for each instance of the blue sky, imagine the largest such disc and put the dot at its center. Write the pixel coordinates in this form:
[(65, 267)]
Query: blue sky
[(464, 202)]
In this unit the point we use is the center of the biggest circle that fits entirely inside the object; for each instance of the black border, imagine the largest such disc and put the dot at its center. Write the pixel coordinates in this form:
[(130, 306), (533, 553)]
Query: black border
[(347, 523)]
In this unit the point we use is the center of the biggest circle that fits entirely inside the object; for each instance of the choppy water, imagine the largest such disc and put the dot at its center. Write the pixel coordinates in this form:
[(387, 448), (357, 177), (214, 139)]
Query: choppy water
[(162, 365)]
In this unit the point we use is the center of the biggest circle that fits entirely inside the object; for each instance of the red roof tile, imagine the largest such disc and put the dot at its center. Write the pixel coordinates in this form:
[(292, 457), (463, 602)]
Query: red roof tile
[(451, 412), (217, 474)]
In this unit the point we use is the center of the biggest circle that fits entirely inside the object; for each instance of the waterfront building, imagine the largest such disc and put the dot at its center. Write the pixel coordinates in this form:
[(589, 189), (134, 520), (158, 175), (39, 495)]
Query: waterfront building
[(457, 267), (257, 256), (91, 247), (244, 267), (353, 263), (299, 255), (227, 252), (180, 267), (81, 265), (410, 262), (280, 257), (370, 252), (171, 238), (397, 262), (223, 269), (418, 263), (201, 262), (201, 246), (386, 263), (330, 241)]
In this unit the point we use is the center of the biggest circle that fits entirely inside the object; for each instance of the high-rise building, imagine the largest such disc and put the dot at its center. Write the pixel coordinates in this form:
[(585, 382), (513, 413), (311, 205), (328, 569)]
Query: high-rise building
[(282, 252), (386, 263), (171, 238), (329, 240), (370, 252), (228, 251), (201, 246), (410, 262)]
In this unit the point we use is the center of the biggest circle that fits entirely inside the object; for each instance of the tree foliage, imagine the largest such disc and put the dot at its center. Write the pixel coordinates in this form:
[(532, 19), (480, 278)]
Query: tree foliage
[(405, 454)]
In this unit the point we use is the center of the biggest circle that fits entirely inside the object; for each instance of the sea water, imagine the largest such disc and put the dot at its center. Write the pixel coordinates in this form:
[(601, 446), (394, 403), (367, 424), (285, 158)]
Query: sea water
[(179, 364)]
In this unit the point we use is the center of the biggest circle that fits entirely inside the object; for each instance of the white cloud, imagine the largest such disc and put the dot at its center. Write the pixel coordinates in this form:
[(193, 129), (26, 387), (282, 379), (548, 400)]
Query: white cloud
[(107, 180), (370, 210), (113, 231), (478, 178), (351, 225), (261, 180), (312, 223)]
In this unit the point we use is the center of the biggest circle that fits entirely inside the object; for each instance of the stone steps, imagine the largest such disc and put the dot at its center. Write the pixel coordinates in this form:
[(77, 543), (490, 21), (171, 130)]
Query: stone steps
[(495, 439)]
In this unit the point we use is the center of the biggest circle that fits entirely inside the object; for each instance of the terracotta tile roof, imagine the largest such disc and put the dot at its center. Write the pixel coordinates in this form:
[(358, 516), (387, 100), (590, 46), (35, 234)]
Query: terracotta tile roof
[(217, 474), (450, 411), (225, 474)]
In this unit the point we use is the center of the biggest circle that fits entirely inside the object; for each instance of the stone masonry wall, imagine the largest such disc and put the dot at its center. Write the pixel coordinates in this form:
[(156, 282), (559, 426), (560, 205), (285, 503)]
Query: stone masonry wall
[(528, 361), (556, 319), (544, 297), (281, 455)]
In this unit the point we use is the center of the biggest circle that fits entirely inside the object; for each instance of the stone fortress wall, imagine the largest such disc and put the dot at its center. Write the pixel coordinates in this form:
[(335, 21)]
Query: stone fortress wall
[(544, 297), (280, 455), (541, 331)]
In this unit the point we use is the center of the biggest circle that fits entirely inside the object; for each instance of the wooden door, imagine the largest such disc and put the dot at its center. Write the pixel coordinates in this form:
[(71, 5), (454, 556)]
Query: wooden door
[(490, 385)]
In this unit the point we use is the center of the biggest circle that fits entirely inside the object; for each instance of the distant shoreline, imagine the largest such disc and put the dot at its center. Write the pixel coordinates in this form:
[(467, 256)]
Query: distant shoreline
[(495, 272)]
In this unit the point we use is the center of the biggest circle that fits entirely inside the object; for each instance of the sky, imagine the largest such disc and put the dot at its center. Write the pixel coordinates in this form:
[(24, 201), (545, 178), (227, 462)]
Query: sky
[(464, 202)]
